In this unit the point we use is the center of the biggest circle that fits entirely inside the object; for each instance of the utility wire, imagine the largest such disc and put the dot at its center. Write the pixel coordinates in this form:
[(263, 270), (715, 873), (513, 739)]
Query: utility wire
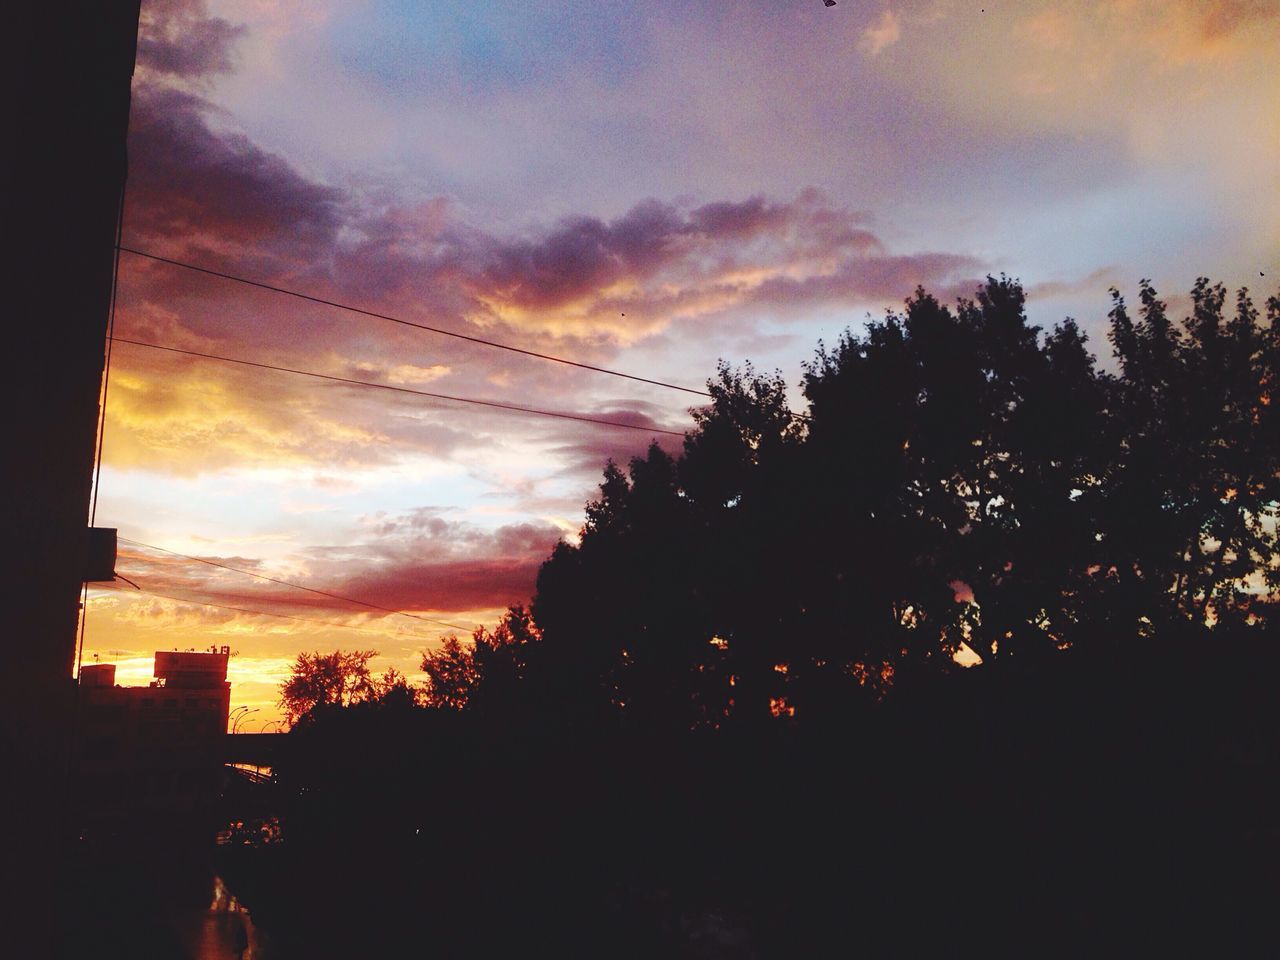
[(408, 323), (102, 414), (296, 586), (72, 747), (511, 407), (106, 373), (260, 613)]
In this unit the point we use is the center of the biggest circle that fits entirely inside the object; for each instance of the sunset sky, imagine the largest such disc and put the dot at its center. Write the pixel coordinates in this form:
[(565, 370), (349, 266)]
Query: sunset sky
[(643, 186)]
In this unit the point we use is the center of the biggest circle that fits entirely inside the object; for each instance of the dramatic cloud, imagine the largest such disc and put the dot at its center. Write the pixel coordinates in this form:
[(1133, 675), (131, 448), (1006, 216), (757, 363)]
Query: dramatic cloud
[(583, 287), (423, 561), (189, 185), (189, 417), (420, 561), (690, 182), (658, 264)]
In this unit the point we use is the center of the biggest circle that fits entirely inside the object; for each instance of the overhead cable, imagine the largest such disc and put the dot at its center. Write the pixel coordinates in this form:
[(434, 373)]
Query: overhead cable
[(102, 413), (407, 323), (510, 407)]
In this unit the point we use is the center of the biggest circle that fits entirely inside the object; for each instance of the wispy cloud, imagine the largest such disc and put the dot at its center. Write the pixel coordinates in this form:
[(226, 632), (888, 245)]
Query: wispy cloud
[(885, 32)]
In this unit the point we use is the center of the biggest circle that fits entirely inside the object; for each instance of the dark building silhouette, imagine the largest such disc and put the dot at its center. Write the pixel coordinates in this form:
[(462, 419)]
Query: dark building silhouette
[(155, 752), (67, 69)]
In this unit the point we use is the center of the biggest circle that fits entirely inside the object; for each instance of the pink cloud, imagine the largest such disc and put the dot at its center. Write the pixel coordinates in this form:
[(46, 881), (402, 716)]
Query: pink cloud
[(417, 561)]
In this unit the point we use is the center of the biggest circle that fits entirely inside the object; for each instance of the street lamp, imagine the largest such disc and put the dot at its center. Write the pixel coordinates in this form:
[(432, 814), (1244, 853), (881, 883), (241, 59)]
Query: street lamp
[(232, 715), (236, 725), (267, 723)]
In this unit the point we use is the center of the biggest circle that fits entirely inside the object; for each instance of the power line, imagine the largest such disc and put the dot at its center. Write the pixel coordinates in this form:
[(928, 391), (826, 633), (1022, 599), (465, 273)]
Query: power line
[(510, 407), (296, 586), (102, 411), (408, 323), (261, 613)]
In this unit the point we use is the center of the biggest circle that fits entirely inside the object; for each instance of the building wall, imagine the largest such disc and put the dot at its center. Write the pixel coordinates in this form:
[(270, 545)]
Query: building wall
[(155, 751)]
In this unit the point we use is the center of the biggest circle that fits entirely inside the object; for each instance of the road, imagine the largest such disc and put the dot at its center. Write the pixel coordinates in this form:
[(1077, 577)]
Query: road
[(221, 931)]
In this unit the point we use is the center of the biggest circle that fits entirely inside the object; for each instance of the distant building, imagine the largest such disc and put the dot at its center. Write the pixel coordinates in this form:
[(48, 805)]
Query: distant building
[(155, 751)]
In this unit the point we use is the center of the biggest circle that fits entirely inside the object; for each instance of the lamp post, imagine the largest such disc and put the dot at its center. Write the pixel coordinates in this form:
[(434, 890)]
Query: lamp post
[(267, 723), (236, 725), (232, 715)]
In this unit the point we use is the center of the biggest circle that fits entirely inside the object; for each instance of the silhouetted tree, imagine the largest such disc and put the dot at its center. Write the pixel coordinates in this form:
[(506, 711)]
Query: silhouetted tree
[(961, 480), (319, 680), (1192, 496), (502, 661), (392, 690), (489, 669), (451, 674)]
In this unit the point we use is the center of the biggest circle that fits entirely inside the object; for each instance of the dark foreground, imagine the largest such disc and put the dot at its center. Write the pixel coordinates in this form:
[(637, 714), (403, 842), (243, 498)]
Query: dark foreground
[(1118, 815)]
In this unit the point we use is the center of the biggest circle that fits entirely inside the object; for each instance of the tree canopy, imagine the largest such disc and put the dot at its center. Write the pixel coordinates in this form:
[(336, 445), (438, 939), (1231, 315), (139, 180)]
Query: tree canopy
[(963, 488), (339, 679)]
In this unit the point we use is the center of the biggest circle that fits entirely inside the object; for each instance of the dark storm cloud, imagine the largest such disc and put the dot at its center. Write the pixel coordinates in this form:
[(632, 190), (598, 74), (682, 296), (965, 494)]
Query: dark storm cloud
[(189, 183)]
